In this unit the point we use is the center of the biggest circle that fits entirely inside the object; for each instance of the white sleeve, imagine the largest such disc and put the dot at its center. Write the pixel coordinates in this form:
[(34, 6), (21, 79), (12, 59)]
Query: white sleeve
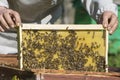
[(96, 7), (4, 3)]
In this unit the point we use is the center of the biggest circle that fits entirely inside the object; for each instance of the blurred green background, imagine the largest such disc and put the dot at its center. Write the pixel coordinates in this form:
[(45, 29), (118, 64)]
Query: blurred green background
[(82, 17)]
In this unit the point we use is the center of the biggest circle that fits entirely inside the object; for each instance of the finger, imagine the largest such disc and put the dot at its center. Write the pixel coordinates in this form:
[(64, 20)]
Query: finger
[(106, 17), (3, 23), (1, 29), (9, 19), (114, 27), (112, 21), (16, 18)]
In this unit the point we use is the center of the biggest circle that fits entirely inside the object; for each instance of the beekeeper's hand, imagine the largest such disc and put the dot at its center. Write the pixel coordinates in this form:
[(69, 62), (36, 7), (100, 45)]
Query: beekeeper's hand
[(8, 19), (110, 21)]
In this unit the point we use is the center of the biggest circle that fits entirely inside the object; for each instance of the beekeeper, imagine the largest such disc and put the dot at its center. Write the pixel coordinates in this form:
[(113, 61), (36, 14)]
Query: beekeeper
[(15, 12)]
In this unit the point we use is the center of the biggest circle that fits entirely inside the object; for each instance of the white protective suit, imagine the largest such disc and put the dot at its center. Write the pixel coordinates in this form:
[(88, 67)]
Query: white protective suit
[(31, 11)]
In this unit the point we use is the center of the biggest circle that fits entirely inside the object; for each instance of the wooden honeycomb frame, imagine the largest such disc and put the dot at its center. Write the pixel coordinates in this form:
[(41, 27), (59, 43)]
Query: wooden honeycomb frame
[(93, 30)]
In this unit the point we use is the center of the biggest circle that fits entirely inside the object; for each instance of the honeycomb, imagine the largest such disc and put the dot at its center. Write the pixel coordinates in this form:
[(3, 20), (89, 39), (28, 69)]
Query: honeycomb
[(77, 50)]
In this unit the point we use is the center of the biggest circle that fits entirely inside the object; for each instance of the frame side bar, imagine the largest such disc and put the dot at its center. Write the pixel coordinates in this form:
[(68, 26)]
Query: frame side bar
[(106, 61), (20, 48)]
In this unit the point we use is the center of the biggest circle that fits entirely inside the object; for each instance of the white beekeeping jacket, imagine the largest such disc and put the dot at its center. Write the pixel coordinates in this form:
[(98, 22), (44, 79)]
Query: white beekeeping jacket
[(30, 11), (4, 3), (96, 7)]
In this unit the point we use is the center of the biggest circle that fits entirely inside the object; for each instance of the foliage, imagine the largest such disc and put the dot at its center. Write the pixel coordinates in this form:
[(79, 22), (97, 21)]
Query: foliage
[(114, 60), (15, 78)]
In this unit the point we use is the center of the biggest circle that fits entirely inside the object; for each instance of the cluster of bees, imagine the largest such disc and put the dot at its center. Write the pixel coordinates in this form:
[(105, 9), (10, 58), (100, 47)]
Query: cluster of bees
[(60, 50)]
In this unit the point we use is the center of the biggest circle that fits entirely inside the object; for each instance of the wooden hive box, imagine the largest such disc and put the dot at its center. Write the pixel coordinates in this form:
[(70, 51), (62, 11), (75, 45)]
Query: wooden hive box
[(9, 60), (63, 48)]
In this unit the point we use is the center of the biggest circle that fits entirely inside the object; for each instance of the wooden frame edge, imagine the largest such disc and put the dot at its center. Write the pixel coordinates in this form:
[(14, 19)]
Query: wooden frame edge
[(60, 27)]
